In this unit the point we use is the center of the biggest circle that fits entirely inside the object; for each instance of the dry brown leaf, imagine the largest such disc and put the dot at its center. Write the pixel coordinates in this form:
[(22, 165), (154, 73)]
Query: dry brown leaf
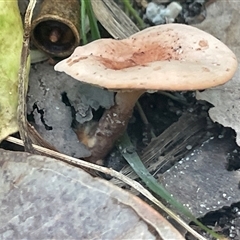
[(223, 22), (45, 92), (42, 198), (113, 19)]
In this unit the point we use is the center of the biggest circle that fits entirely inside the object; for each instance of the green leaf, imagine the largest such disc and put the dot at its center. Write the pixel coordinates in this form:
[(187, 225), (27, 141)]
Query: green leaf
[(11, 38)]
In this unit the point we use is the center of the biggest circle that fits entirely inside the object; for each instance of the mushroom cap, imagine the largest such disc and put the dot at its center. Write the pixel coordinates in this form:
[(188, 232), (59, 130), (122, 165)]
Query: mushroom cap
[(166, 57)]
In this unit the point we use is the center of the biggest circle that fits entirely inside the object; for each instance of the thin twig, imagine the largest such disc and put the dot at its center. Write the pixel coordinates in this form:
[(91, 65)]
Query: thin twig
[(23, 79), (142, 114), (144, 118), (112, 173)]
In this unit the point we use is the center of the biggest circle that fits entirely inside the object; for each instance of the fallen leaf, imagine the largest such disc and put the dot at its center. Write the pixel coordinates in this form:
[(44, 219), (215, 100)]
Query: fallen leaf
[(44, 198), (10, 51), (53, 117), (223, 22), (201, 181)]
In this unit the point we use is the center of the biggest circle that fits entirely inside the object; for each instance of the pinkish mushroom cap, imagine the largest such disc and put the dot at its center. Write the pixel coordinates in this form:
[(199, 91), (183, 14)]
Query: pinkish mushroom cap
[(165, 57)]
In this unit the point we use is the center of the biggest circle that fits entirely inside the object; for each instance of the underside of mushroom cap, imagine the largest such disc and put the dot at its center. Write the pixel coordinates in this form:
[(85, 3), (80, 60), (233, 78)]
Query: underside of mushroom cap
[(165, 57)]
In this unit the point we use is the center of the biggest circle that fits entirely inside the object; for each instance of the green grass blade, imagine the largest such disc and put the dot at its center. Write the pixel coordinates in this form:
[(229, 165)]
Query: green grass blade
[(133, 12), (83, 20), (92, 20), (128, 152)]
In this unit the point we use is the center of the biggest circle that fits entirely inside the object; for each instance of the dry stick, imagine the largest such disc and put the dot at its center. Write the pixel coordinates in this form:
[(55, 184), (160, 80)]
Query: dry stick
[(142, 114), (22, 80), (144, 118), (113, 173)]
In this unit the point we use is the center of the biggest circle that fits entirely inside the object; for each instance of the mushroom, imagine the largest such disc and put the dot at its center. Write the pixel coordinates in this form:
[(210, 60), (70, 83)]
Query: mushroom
[(171, 57)]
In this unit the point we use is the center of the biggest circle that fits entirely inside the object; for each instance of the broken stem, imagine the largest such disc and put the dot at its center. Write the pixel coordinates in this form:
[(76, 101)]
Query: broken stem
[(23, 79), (112, 124)]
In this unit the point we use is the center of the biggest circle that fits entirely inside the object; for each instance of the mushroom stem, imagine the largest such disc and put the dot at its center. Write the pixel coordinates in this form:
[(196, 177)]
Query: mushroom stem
[(112, 124)]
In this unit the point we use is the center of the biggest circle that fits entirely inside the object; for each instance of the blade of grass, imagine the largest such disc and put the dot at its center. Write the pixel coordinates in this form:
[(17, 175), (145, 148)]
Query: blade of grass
[(133, 12), (128, 152), (83, 20), (92, 20)]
